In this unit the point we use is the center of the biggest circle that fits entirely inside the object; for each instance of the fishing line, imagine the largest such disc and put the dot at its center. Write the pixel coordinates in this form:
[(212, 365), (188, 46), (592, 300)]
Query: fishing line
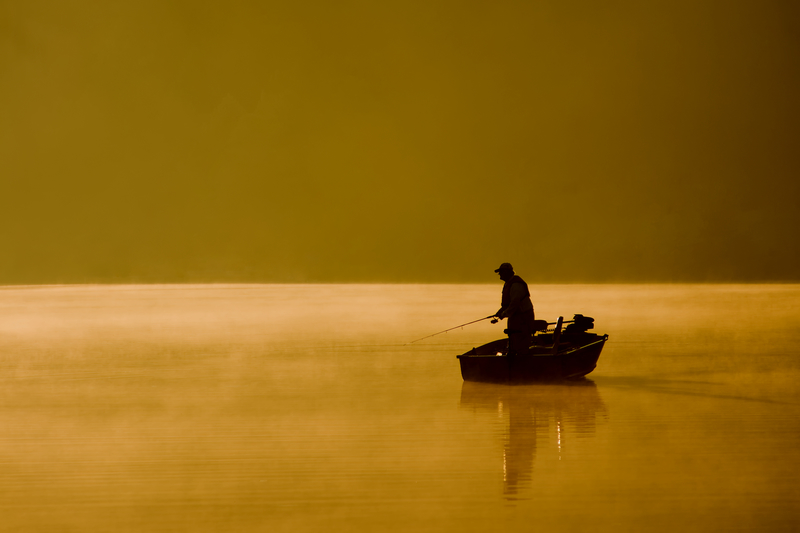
[(450, 329)]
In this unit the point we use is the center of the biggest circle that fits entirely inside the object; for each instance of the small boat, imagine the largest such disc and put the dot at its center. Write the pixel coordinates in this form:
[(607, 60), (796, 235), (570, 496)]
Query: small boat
[(557, 354)]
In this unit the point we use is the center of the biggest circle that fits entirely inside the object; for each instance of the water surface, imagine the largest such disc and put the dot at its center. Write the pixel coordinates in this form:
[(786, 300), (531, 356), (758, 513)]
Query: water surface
[(301, 408)]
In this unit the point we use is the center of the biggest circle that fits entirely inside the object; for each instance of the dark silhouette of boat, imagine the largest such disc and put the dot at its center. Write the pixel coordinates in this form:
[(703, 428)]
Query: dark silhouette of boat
[(555, 355)]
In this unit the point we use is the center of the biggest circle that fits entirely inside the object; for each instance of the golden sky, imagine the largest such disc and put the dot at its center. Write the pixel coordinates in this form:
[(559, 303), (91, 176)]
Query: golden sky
[(168, 141)]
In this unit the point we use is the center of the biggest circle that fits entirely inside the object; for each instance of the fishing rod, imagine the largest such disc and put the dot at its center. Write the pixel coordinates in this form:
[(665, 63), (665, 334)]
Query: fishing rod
[(450, 329)]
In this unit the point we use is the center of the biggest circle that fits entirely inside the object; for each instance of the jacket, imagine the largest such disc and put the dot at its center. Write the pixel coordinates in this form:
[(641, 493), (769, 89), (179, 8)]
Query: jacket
[(516, 304)]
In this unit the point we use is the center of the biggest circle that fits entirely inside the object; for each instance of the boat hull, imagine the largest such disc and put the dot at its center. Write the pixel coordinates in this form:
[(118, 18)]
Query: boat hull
[(571, 361)]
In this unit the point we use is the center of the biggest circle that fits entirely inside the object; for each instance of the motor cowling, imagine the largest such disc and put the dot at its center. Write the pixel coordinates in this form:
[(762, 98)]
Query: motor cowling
[(580, 324)]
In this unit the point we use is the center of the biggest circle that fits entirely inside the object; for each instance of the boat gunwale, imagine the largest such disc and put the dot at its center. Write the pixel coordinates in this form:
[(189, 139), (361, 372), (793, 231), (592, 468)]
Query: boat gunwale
[(603, 338)]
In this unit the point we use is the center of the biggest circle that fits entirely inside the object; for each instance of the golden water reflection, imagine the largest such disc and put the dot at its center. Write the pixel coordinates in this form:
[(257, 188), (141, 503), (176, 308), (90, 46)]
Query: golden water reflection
[(548, 415), (293, 409)]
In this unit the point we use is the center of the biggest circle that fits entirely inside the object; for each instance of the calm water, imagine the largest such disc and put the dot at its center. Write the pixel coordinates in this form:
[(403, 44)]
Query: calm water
[(299, 408)]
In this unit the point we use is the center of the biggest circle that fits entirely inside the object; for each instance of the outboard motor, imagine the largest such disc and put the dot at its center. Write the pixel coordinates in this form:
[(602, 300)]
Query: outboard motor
[(580, 324)]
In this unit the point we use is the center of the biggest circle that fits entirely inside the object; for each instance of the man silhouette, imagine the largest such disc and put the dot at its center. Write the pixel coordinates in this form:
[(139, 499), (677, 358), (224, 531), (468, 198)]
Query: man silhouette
[(516, 305)]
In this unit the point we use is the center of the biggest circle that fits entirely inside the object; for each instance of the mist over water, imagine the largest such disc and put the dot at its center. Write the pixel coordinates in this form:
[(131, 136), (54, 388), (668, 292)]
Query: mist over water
[(302, 408)]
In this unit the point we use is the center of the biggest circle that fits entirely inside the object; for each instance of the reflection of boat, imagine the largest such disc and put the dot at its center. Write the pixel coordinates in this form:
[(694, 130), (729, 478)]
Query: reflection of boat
[(550, 413), (553, 356)]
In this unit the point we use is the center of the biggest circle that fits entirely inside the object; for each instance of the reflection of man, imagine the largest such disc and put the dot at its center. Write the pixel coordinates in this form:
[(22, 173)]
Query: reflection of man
[(517, 307)]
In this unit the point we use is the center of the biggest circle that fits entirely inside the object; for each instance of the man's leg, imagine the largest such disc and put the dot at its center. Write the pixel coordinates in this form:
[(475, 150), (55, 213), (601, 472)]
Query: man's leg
[(519, 342)]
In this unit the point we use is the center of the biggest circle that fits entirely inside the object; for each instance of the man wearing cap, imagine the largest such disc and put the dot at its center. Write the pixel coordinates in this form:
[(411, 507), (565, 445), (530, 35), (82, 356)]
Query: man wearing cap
[(517, 307)]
